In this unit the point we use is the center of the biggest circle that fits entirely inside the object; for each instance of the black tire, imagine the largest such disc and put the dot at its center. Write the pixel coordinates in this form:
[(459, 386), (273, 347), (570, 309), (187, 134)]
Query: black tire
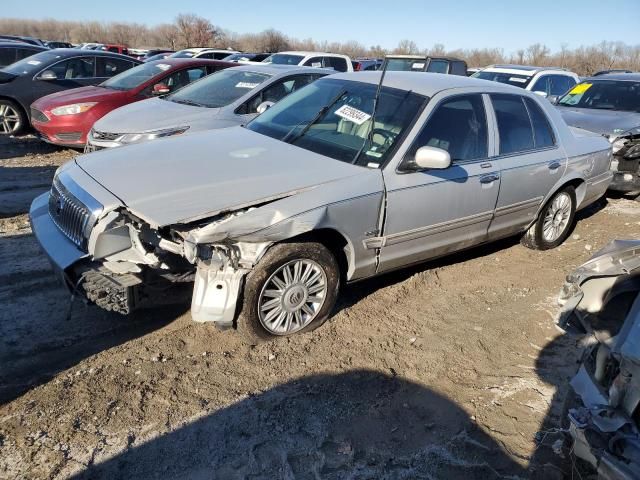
[(249, 322), (12, 127), (534, 237)]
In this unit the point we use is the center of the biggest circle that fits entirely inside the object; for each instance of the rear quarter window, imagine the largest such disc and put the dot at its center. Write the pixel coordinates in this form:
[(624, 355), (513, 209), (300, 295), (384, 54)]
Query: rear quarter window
[(514, 126)]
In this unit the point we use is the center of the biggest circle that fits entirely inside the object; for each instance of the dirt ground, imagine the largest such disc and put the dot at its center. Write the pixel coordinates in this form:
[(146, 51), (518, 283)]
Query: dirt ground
[(453, 369)]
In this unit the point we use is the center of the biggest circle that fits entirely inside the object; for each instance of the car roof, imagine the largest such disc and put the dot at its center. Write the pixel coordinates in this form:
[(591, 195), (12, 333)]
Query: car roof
[(176, 62), (529, 70), (310, 54), (424, 57), (424, 83), (272, 69), (632, 77), (17, 44), (71, 52)]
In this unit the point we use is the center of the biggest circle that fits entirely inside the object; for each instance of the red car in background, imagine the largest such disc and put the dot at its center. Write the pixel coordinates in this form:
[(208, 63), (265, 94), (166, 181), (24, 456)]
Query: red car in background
[(65, 118)]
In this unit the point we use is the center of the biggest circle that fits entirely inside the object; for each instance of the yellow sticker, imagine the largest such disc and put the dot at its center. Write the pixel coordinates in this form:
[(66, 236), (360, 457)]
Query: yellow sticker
[(580, 88)]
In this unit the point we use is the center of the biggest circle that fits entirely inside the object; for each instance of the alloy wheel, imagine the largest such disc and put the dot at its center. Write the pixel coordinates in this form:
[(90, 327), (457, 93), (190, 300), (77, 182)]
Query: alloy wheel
[(292, 297), (9, 119), (557, 217)]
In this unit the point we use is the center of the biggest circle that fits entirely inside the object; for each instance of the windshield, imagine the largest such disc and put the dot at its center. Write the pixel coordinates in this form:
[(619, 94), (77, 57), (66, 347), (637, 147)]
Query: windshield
[(31, 64), (136, 76), (283, 59), (604, 95), (219, 89), (509, 78), (333, 118)]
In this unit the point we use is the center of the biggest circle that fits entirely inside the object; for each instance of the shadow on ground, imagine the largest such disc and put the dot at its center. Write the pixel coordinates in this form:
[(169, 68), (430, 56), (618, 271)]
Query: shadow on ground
[(360, 424)]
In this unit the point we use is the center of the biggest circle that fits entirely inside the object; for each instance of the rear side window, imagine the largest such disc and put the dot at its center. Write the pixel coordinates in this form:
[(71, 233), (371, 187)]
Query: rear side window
[(438, 66), (514, 126), (82, 67), (7, 56), (108, 67), (337, 63), (542, 132), (24, 53), (314, 62), (459, 126)]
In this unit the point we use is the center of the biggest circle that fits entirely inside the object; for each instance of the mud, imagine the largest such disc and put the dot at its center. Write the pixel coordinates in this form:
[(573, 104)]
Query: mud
[(453, 369)]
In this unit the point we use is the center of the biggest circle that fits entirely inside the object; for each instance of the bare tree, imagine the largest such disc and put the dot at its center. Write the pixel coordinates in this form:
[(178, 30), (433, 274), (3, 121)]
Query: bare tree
[(406, 47), (195, 31)]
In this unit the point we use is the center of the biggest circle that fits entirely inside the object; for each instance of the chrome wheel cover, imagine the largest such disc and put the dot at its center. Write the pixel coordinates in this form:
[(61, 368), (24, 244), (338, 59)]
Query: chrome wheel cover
[(9, 119), (556, 220), (292, 297)]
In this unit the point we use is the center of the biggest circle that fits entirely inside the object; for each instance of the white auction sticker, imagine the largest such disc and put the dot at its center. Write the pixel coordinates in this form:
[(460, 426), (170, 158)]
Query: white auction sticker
[(34, 62), (417, 66), (163, 66), (517, 79), (246, 85), (353, 114), (316, 64)]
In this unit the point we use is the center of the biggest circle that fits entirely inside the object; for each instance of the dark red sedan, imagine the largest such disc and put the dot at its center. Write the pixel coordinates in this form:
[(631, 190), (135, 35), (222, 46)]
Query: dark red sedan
[(65, 118)]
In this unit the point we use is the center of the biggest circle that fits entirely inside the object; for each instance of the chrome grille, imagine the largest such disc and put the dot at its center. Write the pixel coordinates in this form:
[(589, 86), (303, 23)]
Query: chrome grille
[(97, 135), (68, 213), (38, 116)]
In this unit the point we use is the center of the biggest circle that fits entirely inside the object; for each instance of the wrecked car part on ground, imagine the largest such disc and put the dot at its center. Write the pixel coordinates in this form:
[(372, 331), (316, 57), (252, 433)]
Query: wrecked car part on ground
[(269, 219), (602, 299)]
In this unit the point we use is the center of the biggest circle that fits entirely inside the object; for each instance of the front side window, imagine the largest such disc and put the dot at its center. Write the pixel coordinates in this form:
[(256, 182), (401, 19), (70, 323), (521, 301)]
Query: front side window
[(284, 59), (459, 126), (514, 126), (74, 68), (109, 67), (334, 118), (542, 85), (560, 84), (219, 89), (438, 66), (542, 133), (604, 95), (509, 78)]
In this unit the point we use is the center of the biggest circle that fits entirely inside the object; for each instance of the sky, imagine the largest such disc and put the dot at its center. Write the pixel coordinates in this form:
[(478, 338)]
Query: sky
[(509, 25)]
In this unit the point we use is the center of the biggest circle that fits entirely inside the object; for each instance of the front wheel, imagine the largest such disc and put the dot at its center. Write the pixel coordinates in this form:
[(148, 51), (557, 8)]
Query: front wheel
[(12, 119), (554, 222), (292, 289)]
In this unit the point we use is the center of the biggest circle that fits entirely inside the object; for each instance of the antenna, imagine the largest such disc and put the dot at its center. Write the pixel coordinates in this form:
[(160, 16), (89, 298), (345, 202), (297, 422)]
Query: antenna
[(369, 139)]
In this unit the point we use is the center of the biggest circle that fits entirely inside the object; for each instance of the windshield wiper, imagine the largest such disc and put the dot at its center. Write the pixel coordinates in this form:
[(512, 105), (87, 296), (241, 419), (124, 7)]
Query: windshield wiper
[(188, 102), (321, 113)]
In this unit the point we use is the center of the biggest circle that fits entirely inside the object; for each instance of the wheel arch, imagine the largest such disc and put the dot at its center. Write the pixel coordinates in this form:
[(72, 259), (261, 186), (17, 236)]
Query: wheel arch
[(578, 184)]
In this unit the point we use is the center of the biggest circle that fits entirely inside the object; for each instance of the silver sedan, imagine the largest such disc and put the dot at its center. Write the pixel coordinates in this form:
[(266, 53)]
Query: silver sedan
[(338, 182)]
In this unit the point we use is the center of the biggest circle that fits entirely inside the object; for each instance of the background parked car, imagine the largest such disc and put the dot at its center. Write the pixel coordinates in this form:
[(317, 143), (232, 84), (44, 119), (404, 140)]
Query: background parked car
[(246, 57), (48, 72), (158, 56), (65, 118), (610, 105), (421, 63), (24, 39), (115, 48), (55, 44), (366, 64), (147, 56), (11, 52), (545, 81), (340, 63), (614, 70), (210, 53), (223, 99)]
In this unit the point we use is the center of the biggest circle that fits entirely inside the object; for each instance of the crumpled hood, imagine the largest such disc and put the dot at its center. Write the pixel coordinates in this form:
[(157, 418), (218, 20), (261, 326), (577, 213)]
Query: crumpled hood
[(185, 178), (76, 95), (605, 122), (153, 114)]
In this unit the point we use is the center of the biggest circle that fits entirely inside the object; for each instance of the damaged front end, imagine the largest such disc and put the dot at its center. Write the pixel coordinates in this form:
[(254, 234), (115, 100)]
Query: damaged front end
[(602, 299), (626, 161)]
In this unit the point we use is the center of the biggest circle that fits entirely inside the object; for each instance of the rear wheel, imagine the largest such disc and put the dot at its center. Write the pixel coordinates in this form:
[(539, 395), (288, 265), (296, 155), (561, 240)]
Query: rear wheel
[(292, 289), (554, 222), (12, 118)]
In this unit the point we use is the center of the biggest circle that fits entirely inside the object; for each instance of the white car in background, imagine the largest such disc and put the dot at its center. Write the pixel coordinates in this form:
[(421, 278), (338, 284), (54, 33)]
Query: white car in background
[(340, 63), (544, 81), (211, 53)]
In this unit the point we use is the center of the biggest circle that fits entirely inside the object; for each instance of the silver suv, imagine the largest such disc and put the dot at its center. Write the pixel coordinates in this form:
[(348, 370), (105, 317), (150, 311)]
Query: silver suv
[(330, 185)]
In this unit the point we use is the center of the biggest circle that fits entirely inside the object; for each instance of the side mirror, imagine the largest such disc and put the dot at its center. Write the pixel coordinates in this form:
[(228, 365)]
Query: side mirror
[(160, 89), (432, 158), (264, 106), (553, 99), (48, 75)]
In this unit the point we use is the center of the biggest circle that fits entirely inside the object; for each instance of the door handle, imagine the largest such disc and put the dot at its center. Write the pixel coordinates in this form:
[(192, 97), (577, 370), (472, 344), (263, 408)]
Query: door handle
[(490, 178), (485, 165), (554, 165)]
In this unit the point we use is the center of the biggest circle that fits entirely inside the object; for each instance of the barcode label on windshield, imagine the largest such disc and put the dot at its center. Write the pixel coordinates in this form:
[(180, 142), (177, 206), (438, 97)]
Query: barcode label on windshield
[(246, 85), (352, 114)]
